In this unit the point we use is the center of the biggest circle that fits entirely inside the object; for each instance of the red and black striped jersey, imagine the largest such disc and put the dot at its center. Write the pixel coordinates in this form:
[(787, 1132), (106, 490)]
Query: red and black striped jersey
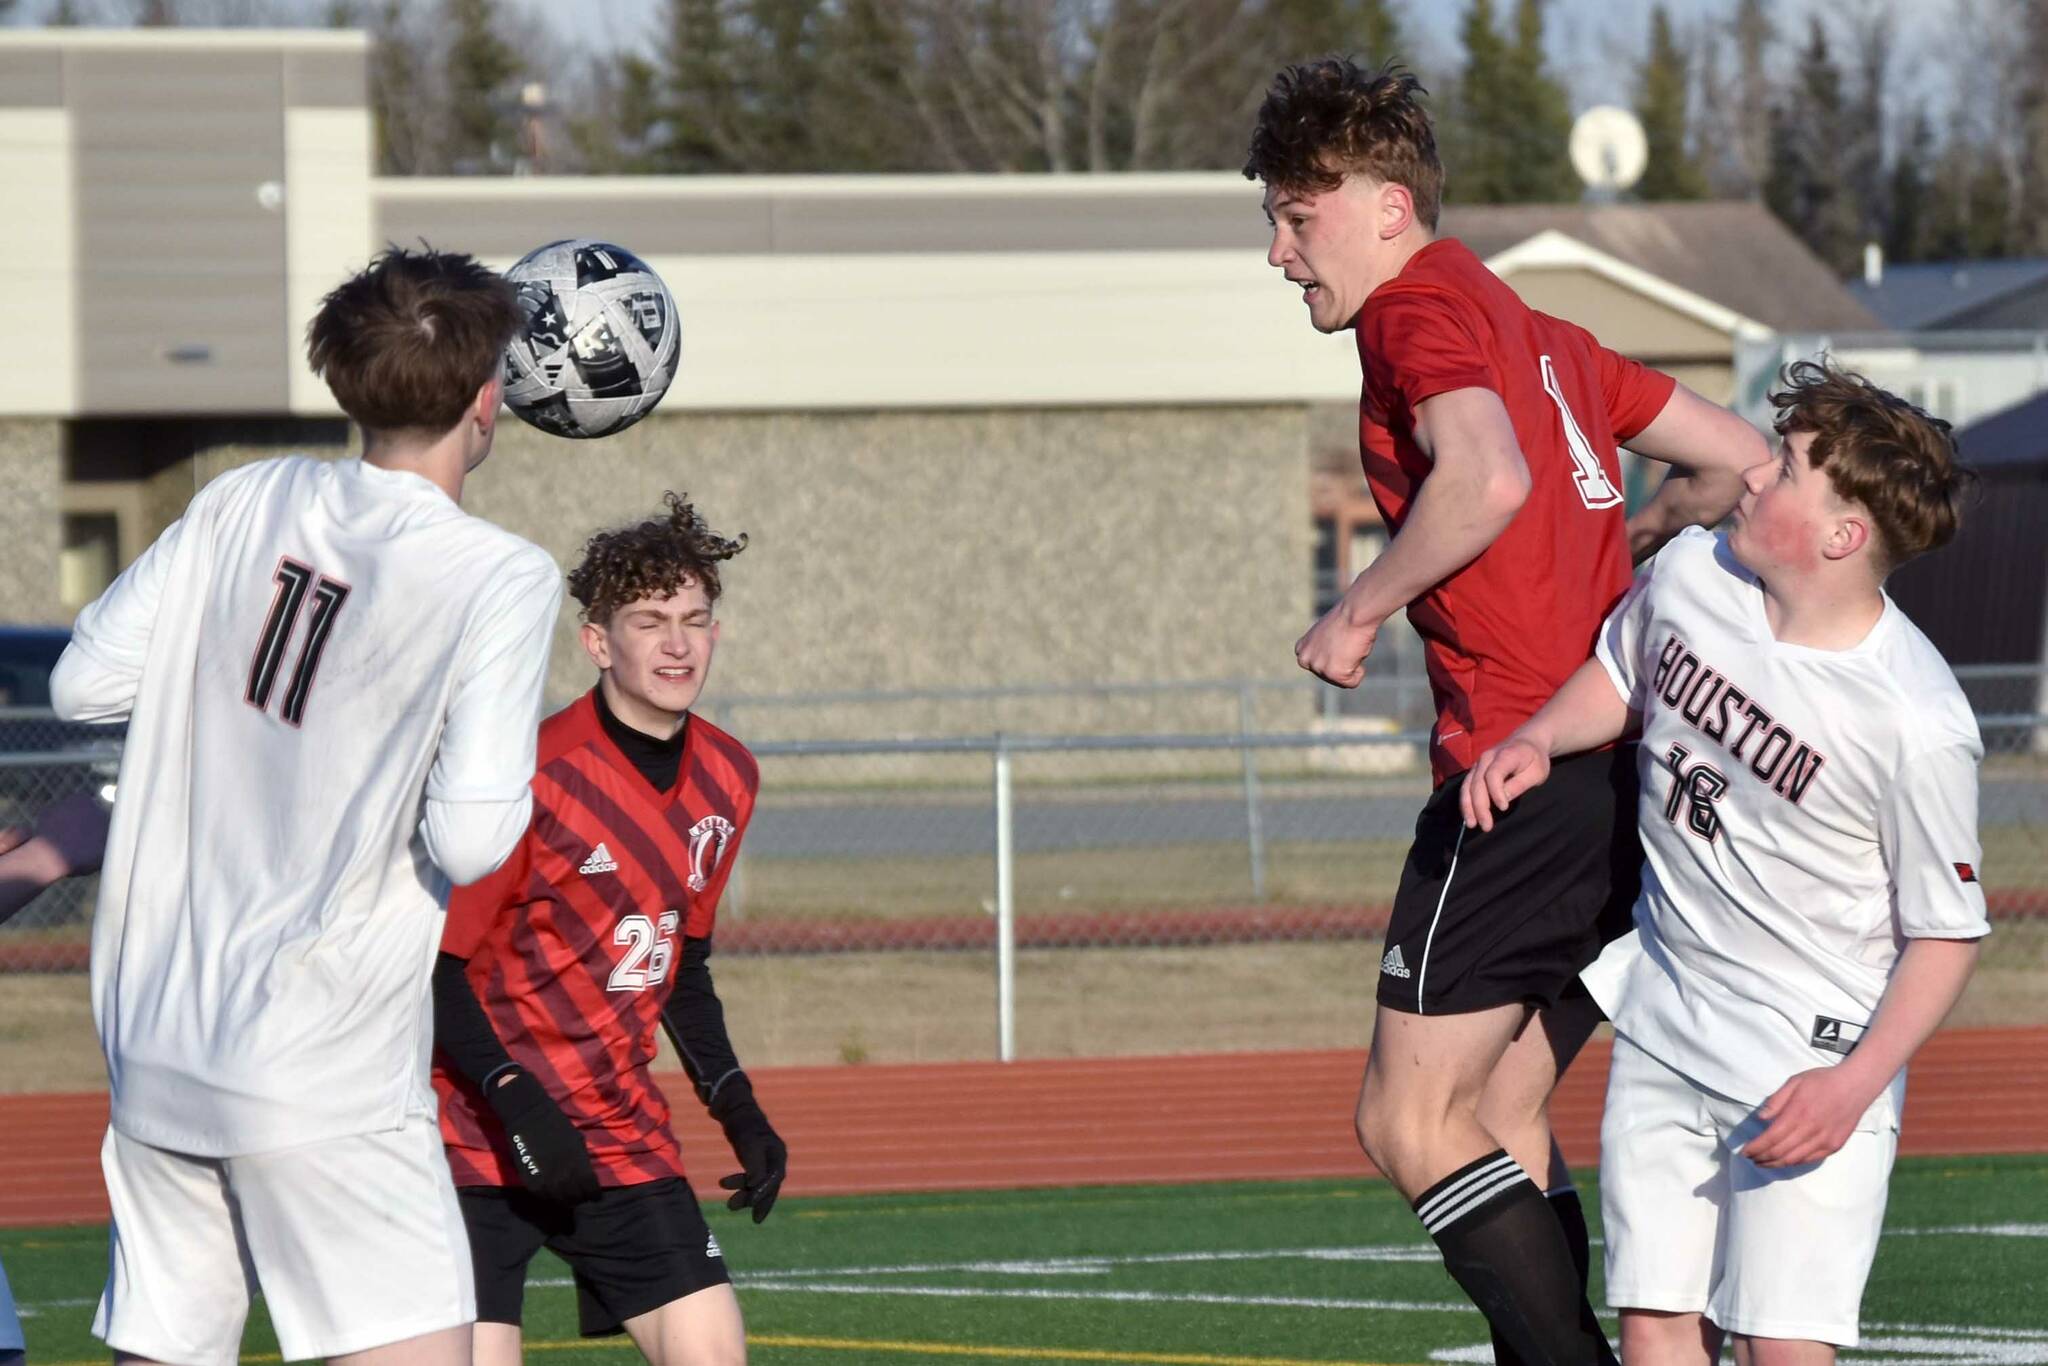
[(571, 945)]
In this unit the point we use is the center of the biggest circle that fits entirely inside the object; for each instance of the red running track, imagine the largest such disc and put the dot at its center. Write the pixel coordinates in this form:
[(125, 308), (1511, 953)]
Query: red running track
[(1217, 1117)]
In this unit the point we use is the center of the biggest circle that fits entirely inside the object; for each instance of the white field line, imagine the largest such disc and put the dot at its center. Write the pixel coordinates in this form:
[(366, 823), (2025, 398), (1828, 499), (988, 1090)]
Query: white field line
[(1034, 1292), (1102, 1265), (1972, 1231)]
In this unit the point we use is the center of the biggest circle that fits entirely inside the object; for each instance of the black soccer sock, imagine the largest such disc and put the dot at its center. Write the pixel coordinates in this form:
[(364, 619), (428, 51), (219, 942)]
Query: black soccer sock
[(1571, 1217), (1503, 1244)]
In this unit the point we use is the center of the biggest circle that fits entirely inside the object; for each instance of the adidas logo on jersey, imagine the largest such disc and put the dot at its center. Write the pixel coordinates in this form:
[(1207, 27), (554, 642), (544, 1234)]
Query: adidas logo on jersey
[(1393, 965), (600, 861)]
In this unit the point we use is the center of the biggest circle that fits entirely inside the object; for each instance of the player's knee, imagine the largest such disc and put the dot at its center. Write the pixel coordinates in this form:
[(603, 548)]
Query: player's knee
[(1782, 1351), (1392, 1126), (706, 1349), (1506, 1111), (1655, 1337)]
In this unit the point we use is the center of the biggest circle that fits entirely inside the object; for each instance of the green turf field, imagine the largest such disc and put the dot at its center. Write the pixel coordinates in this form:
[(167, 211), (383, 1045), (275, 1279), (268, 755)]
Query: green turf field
[(1259, 1275)]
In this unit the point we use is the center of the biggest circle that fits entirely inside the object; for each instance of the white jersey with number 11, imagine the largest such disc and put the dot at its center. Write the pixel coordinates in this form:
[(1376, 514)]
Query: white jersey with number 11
[(332, 678)]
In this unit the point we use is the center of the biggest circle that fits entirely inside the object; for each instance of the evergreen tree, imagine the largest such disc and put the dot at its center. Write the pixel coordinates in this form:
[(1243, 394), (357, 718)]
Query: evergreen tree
[(1909, 234), (1368, 31), (778, 62), (1755, 37), (1661, 92), (1806, 185), (1472, 139), (1536, 118), (402, 104), (1863, 131), (617, 122), (870, 93), (699, 118), (2031, 130), (481, 66)]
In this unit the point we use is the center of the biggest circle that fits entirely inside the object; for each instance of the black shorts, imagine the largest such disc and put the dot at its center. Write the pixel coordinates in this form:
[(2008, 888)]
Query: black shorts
[(1510, 915), (632, 1249)]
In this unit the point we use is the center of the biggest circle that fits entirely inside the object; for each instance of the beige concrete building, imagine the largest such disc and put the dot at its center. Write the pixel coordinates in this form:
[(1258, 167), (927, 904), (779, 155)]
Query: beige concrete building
[(984, 431)]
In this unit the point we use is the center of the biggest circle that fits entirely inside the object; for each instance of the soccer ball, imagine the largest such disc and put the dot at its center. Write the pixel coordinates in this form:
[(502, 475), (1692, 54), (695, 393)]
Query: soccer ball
[(599, 341)]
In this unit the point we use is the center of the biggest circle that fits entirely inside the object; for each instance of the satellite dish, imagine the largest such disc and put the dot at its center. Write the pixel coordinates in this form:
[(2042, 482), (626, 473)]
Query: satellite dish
[(1608, 148)]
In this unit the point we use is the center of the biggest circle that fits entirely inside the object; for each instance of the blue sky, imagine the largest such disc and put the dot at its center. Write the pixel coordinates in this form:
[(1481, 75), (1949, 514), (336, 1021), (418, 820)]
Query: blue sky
[(1593, 43)]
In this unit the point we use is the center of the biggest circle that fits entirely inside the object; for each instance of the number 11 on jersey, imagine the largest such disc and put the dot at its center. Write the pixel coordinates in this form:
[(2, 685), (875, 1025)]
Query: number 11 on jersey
[(295, 582)]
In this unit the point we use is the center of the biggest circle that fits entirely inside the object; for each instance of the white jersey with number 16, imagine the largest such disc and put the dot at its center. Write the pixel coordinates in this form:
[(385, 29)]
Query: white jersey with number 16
[(332, 677), (1804, 812)]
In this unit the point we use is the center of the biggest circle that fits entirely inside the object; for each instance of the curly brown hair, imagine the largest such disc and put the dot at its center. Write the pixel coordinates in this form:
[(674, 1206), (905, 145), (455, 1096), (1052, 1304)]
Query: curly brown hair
[(1895, 460), (406, 343), (650, 559), (1325, 119)]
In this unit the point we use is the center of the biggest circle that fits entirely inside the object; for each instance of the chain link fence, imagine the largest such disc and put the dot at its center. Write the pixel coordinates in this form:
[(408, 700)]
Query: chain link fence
[(1164, 892)]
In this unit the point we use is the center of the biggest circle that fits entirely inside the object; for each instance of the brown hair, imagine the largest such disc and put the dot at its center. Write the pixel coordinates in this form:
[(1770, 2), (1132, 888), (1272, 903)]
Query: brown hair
[(1880, 452), (406, 343), (651, 559), (1324, 119)]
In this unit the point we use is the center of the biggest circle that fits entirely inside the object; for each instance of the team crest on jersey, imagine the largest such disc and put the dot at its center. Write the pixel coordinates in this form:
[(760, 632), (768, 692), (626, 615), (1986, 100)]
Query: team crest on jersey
[(1965, 873), (707, 845)]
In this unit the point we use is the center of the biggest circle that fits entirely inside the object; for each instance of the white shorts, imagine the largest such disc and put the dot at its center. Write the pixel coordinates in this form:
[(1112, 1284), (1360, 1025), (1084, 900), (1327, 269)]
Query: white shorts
[(10, 1322), (354, 1243), (1693, 1226)]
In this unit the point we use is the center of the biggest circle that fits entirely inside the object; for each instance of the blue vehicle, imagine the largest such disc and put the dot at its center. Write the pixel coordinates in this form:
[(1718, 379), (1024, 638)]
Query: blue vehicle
[(27, 654)]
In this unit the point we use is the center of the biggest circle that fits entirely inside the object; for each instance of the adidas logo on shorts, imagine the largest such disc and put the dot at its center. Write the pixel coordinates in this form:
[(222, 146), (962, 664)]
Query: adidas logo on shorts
[(711, 1246), (600, 861), (1392, 965)]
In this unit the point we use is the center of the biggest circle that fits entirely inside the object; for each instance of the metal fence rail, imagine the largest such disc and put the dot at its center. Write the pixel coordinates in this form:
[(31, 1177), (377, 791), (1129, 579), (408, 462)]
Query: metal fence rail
[(1029, 894)]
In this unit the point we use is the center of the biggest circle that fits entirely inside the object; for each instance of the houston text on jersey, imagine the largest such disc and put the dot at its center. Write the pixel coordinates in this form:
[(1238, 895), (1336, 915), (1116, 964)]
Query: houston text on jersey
[(1714, 706)]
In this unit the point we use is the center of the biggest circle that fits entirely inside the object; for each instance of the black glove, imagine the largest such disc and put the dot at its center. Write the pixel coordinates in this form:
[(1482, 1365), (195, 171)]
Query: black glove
[(755, 1143), (549, 1152)]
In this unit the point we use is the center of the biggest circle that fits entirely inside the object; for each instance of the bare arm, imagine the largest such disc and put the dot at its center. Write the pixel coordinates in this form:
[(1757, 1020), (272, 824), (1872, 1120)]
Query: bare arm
[(1478, 483), (1708, 448), (69, 840), (1813, 1114), (1586, 713), (25, 870)]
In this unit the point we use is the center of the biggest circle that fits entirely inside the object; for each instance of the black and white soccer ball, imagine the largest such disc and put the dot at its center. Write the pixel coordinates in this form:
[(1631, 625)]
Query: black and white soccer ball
[(599, 341)]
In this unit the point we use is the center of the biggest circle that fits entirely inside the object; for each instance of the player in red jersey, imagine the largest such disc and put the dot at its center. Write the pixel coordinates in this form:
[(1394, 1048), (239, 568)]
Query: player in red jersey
[(1488, 433), (555, 971)]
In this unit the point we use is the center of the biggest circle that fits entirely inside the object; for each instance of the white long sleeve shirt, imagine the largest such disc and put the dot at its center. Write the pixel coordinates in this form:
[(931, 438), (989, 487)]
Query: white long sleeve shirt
[(332, 677)]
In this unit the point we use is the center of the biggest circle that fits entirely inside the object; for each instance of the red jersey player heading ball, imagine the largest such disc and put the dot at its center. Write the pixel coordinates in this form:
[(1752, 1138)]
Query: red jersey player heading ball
[(1488, 434), (556, 970)]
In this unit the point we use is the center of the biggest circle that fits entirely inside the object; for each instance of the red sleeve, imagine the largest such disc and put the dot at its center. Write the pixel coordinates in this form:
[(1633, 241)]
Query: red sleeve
[(474, 908), (1416, 344), (1635, 393)]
